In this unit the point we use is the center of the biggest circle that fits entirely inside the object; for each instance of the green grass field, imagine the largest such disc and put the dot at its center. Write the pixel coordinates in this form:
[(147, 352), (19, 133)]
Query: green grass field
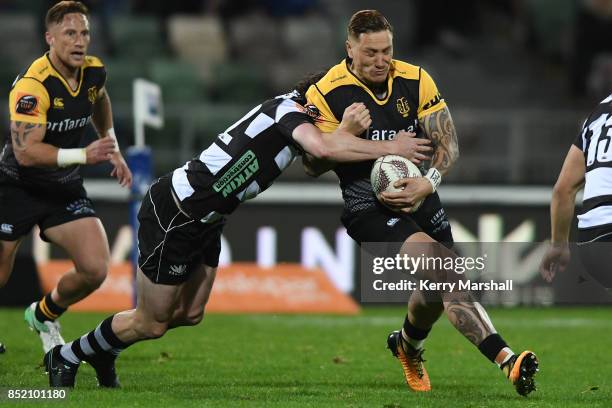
[(295, 361)]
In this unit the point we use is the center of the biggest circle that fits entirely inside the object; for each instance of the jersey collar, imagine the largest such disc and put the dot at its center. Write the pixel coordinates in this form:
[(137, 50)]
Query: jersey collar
[(347, 64), (57, 74)]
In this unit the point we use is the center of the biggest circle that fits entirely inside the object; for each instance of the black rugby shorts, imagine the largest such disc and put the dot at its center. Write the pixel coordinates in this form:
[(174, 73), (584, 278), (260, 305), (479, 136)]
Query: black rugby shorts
[(379, 224), (21, 208), (171, 246)]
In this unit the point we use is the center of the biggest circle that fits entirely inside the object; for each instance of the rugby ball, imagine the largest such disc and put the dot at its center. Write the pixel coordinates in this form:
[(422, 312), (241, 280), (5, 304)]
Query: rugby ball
[(387, 170)]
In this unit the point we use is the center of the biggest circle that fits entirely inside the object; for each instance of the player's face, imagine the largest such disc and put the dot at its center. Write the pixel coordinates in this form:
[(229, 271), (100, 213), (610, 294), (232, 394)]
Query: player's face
[(69, 39), (371, 54)]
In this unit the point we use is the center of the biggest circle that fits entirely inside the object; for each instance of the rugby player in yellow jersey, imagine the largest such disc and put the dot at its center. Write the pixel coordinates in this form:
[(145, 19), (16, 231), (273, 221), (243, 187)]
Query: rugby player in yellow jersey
[(51, 104), (402, 96)]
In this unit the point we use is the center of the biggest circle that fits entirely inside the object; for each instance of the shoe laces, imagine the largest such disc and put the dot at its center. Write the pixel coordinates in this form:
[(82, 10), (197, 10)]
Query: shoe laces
[(417, 361), (415, 356)]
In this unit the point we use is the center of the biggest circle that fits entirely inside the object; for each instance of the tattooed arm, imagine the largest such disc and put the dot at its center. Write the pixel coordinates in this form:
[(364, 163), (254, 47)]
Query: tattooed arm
[(440, 129), (28, 145), (31, 151)]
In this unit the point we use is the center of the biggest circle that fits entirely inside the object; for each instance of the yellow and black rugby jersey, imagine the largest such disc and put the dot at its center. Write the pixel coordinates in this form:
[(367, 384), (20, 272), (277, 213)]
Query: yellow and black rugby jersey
[(411, 95), (41, 95)]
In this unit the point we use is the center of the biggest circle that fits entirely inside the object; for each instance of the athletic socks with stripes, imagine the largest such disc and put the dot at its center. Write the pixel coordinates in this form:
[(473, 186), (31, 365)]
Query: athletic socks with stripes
[(101, 343), (47, 309)]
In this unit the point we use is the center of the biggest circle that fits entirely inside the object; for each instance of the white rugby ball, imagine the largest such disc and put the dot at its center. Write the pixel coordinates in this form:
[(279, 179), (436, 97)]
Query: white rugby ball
[(387, 170)]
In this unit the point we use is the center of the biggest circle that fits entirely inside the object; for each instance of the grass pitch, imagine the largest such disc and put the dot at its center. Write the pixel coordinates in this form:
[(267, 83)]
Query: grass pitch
[(320, 361)]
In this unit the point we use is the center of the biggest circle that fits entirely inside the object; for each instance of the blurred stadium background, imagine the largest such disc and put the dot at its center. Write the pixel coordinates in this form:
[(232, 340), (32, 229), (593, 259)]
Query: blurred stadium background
[(519, 77)]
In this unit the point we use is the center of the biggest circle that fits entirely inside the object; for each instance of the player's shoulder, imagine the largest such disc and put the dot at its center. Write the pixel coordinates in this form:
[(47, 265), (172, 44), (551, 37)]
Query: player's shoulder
[(92, 61), (39, 69), (337, 76), (405, 70)]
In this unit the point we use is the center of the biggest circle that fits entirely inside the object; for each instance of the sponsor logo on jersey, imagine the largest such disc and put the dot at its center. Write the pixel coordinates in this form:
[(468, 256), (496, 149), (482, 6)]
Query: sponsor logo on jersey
[(392, 221), (27, 105), (433, 102), (6, 228), (402, 106), (177, 270), (338, 79), (388, 134), (68, 124), (58, 103), (92, 94), (311, 110), (244, 168)]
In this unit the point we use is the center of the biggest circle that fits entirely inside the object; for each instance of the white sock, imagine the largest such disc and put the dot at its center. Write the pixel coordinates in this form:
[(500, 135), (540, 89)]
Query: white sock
[(509, 355), (416, 344)]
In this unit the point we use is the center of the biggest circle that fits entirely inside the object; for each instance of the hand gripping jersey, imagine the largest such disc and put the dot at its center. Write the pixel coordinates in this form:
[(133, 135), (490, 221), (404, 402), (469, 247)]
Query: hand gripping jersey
[(41, 95), (595, 140), (243, 160), (411, 94)]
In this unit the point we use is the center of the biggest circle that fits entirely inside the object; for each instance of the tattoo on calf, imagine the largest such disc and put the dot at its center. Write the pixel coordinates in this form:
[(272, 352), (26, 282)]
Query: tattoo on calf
[(467, 319)]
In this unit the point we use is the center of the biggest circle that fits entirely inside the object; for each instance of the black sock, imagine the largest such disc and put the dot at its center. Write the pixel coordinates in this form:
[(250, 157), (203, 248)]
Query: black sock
[(414, 332), (47, 309), (491, 346), (99, 344)]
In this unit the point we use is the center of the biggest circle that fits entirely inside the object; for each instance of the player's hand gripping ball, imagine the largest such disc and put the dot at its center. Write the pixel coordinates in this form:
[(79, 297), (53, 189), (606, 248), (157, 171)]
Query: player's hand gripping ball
[(387, 170)]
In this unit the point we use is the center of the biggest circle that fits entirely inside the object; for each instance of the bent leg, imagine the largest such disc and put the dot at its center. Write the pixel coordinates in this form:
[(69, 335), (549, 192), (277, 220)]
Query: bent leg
[(153, 313), (193, 297)]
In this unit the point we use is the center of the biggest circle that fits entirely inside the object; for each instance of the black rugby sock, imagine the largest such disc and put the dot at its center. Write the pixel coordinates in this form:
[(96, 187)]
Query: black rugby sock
[(101, 343), (47, 309)]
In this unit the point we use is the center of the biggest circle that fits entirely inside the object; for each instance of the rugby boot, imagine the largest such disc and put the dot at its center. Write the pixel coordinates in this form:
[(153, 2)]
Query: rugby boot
[(521, 372), (61, 372), (49, 332), (412, 362)]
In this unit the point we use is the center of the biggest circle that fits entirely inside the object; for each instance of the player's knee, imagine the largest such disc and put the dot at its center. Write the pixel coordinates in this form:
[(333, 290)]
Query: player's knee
[(154, 330), (194, 317), (94, 273)]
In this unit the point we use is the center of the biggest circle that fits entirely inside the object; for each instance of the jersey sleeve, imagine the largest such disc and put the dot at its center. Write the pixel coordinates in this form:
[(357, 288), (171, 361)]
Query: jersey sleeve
[(29, 101), (104, 76), (579, 141), (291, 115), (430, 100), (325, 120)]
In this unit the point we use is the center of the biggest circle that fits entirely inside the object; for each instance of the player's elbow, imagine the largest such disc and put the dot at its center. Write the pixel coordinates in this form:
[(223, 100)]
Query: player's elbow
[(23, 158), (563, 191), (321, 151)]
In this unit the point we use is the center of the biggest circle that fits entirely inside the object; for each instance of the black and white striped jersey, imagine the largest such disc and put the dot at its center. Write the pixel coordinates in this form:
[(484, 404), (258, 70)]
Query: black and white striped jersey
[(595, 140), (242, 161)]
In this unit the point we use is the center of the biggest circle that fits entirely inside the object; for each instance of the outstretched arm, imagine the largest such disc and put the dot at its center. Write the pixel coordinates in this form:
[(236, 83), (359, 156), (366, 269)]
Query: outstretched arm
[(324, 150)]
